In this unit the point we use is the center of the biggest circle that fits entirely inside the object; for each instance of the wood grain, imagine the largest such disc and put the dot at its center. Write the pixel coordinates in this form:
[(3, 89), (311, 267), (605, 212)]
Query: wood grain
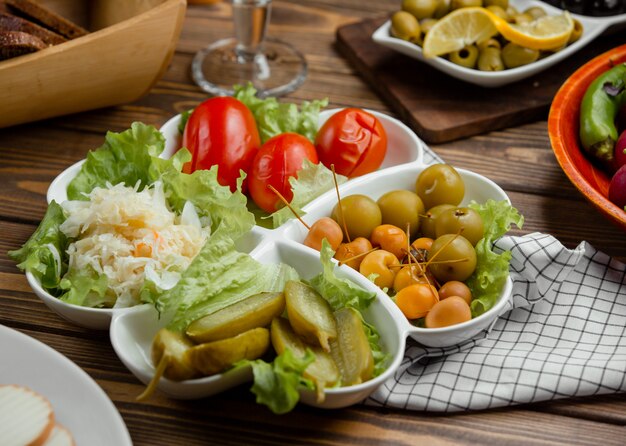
[(519, 159)]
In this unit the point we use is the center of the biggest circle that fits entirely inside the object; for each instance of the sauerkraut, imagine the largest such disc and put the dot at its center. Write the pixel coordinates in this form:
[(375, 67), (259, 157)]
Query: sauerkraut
[(131, 236)]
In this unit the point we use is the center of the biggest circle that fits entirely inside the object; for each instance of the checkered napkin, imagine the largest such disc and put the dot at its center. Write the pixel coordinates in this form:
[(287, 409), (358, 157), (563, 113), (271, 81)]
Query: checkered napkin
[(563, 335)]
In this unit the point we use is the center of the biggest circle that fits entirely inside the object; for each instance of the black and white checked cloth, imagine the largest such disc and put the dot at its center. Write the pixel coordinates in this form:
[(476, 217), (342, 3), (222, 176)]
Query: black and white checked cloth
[(563, 335)]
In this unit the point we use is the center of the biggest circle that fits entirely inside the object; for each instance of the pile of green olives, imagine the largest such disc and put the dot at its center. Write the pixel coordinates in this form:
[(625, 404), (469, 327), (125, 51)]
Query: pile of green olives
[(417, 17), (417, 244)]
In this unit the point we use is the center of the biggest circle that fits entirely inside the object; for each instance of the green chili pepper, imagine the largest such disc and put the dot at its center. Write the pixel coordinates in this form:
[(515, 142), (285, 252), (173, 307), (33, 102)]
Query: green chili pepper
[(602, 100)]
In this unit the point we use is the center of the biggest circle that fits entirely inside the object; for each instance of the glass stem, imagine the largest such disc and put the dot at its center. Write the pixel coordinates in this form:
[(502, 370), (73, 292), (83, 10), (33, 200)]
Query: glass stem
[(251, 18)]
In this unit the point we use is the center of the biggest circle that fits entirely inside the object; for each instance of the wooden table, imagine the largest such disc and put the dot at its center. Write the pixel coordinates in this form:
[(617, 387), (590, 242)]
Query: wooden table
[(519, 159)]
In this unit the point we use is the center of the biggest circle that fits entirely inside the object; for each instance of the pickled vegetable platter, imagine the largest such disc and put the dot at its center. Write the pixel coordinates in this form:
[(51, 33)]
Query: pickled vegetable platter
[(260, 305)]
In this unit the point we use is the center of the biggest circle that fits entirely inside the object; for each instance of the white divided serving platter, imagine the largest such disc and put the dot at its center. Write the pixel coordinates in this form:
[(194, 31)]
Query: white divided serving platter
[(593, 27)]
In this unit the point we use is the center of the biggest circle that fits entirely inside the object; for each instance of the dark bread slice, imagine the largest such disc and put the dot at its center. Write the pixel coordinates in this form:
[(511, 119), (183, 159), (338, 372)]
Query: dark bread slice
[(47, 18), (16, 43), (9, 22)]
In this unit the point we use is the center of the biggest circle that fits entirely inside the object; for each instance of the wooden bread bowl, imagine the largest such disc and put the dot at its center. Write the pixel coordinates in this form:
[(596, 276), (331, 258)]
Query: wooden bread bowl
[(130, 46)]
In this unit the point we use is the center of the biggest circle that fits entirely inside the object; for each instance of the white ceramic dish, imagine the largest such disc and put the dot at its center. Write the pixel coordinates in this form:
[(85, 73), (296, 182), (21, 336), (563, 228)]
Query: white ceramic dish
[(478, 188), (593, 27), (79, 403), (132, 333), (404, 147)]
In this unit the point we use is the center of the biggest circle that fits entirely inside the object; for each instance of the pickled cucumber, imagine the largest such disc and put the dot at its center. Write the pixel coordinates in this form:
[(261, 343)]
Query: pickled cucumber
[(174, 346), (351, 350), (215, 357), (252, 312), (169, 355), (322, 371), (310, 314)]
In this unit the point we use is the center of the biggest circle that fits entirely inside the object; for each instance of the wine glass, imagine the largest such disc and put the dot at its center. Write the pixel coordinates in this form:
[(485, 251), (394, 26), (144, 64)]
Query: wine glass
[(274, 67)]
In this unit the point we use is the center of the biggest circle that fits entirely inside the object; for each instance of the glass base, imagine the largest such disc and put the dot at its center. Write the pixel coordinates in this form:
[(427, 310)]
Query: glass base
[(277, 70)]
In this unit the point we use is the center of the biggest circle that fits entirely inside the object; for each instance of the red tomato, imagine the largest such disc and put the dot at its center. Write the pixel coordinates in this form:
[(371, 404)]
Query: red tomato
[(353, 140), (222, 131), (278, 159)]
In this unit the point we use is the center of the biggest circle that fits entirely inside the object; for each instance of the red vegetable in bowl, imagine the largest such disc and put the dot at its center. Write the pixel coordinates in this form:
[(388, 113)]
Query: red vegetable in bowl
[(353, 140), (617, 188), (222, 131), (278, 159)]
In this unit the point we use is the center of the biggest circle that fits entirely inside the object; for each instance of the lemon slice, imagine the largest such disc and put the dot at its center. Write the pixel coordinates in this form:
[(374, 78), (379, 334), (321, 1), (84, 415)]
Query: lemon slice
[(545, 33), (458, 29)]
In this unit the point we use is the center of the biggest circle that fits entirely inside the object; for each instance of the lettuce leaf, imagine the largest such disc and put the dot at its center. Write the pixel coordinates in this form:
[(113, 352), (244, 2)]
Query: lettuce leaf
[(86, 288), (313, 180), (273, 117), (123, 158), (217, 277), (43, 254), (492, 269), (276, 384)]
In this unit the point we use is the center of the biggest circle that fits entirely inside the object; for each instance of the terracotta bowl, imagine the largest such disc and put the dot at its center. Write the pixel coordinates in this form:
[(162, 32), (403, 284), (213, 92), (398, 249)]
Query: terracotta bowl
[(563, 128)]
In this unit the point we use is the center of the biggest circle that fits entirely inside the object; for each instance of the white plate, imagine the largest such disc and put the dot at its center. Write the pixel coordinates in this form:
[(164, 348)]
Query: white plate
[(593, 27), (79, 403)]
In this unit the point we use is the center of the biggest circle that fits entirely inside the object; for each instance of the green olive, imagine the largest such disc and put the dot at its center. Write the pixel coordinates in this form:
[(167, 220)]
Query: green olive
[(466, 57), (427, 24), (535, 12), (490, 59), (440, 184), (488, 43), (361, 215), (405, 26), (515, 56), (428, 221), (498, 11), (464, 221), (443, 7), (458, 4), (511, 11), (521, 19), (576, 32), (501, 3), (401, 208), (421, 9), (453, 258)]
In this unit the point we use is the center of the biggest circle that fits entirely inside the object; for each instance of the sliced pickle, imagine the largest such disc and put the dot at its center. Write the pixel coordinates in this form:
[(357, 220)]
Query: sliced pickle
[(322, 371), (252, 312), (351, 350), (309, 314), (215, 357), (174, 346), (169, 356)]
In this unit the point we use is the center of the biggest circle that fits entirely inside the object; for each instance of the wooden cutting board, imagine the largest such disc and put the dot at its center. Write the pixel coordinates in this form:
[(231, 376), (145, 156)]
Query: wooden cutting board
[(441, 108)]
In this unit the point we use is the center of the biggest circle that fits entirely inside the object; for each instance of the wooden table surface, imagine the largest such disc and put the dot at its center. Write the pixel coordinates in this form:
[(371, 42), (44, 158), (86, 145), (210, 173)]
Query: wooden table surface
[(519, 159)]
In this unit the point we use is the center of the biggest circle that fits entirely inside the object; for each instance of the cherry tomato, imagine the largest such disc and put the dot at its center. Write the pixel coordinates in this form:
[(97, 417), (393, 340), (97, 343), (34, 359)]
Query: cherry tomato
[(324, 228), (392, 239), (278, 159), (384, 264), (415, 301), (353, 140), (352, 253), (221, 131), (450, 311)]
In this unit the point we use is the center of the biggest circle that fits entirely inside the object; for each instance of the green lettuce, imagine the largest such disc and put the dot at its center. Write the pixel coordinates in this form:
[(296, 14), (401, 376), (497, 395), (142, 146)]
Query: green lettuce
[(276, 384), (130, 157), (44, 254), (492, 269), (273, 117), (313, 180), (217, 277)]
